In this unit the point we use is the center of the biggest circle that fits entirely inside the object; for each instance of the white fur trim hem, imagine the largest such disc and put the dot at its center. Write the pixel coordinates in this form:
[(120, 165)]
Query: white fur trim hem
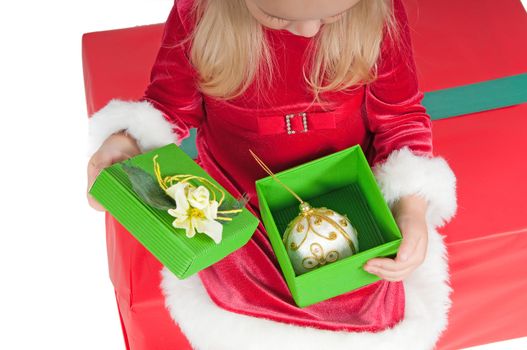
[(140, 119), (404, 173), (210, 327)]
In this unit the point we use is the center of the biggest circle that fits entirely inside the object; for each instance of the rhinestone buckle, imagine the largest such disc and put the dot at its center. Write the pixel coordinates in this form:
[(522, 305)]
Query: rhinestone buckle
[(288, 118)]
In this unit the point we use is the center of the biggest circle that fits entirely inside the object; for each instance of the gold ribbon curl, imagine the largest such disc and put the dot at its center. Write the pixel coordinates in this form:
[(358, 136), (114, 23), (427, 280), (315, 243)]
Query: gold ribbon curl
[(168, 181)]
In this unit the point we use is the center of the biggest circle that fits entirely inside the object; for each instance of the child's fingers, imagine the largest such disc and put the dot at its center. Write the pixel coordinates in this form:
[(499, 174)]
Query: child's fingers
[(95, 166), (99, 161), (407, 247), (392, 275), (388, 264)]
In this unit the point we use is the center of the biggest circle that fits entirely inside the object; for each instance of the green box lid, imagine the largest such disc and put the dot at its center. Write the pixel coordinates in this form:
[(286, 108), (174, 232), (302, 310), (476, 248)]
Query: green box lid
[(153, 228)]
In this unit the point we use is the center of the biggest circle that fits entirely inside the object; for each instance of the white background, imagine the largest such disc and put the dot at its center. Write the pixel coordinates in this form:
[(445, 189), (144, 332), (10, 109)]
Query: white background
[(54, 287)]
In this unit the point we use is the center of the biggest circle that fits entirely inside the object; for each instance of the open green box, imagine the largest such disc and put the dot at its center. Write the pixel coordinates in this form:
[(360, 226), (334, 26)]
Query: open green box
[(342, 181), (153, 228)]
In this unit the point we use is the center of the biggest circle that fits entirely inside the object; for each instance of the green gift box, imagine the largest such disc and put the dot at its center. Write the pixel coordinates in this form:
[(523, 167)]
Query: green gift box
[(342, 181), (153, 228)]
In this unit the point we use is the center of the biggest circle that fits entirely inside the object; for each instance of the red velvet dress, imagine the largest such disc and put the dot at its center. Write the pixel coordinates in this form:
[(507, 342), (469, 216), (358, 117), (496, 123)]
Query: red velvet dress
[(382, 117)]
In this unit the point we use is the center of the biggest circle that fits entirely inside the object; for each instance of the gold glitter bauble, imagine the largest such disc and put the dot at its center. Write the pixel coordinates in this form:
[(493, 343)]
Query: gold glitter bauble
[(319, 236)]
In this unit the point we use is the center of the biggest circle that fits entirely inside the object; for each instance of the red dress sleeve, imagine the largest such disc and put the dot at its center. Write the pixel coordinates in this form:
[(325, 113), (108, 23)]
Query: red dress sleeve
[(172, 88), (394, 113)]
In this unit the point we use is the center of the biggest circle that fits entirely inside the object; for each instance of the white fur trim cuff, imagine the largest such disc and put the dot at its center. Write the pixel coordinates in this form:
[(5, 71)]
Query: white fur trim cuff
[(141, 119), (405, 173)]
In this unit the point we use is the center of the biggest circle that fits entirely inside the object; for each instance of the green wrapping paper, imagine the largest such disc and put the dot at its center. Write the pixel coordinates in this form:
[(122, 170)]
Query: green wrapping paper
[(153, 227)]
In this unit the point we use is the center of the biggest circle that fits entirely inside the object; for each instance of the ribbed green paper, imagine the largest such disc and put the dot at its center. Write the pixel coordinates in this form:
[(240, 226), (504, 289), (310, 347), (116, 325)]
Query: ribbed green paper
[(342, 181), (153, 227)]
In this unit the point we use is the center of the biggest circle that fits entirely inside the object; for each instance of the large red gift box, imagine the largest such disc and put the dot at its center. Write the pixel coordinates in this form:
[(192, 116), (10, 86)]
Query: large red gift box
[(470, 59)]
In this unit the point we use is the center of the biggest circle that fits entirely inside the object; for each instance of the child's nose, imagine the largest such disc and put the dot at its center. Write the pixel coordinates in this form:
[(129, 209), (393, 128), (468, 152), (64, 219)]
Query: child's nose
[(306, 28)]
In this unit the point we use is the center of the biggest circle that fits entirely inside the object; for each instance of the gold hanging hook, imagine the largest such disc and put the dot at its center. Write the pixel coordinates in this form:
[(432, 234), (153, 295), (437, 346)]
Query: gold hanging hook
[(268, 171)]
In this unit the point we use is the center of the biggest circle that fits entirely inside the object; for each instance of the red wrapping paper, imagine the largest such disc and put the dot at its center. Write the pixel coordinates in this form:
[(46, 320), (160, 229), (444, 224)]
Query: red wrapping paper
[(487, 241), (465, 42)]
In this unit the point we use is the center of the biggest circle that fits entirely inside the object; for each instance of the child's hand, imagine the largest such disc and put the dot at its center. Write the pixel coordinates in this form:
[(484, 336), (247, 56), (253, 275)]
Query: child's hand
[(116, 148), (409, 214)]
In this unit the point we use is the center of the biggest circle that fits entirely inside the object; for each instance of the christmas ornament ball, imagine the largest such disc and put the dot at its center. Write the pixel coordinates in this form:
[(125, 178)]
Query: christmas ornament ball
[(317, 237)]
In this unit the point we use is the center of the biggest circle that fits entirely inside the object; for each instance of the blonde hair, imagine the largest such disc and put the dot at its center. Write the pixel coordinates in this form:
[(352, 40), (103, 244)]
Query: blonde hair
[(229, 50)]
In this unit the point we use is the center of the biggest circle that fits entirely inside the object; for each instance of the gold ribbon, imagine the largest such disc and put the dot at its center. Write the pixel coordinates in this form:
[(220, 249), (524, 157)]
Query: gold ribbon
[(168, 181), (268, 171)]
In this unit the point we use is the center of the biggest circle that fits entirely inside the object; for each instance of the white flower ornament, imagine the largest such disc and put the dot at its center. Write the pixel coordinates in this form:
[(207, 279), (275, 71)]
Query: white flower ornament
[(195, 211), (201, 204), (199, 197)]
